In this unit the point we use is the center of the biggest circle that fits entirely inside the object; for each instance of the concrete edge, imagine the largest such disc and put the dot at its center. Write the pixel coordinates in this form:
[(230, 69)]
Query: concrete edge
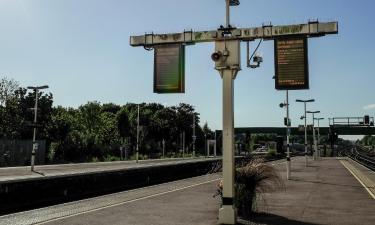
[(359, 175)]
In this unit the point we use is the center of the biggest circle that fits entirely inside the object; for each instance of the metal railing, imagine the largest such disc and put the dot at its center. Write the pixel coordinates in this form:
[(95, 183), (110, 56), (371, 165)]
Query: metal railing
[(351, 121)]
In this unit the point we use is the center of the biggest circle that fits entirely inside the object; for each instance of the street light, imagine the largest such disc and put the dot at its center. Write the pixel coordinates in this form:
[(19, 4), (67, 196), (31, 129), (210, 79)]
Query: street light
[(304, 117), (318, 119), (35, 145), (315, 143)]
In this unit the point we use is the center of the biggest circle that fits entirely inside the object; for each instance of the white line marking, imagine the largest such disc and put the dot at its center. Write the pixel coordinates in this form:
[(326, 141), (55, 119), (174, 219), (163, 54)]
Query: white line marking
[(129, 201), (359, 180)]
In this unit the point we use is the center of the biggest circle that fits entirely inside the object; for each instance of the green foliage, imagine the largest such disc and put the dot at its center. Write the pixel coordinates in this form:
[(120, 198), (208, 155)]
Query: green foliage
[(7, 90), (368, 140), (96, 131)]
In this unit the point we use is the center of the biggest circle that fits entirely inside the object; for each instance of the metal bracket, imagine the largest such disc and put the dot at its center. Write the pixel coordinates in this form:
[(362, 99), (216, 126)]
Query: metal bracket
[(147, 46)]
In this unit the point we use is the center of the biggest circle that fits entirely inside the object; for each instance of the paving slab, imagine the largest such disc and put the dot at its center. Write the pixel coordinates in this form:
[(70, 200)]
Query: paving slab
[(323, 193)]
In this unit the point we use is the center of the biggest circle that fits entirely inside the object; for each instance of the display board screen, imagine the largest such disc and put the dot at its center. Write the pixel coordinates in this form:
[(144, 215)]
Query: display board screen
[(169, 69), (291, 63)]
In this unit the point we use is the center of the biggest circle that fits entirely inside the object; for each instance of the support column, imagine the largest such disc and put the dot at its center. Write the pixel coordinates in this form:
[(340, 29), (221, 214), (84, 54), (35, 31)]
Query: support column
[(227, 213)]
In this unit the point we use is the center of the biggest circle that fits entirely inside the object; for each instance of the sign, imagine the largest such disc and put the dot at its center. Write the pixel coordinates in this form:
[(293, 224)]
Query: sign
[(291, 63), (169, 69)]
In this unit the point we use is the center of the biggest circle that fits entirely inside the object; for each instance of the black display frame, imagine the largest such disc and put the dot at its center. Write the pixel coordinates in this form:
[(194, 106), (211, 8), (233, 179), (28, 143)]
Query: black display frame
[(306, 84), (180, 88)]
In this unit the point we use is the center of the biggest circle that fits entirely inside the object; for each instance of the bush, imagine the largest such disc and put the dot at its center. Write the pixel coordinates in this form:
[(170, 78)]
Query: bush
[(111, 158), (253, 179)]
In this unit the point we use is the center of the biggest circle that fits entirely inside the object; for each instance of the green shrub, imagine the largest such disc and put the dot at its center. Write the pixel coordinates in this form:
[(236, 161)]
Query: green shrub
[(111, 158)]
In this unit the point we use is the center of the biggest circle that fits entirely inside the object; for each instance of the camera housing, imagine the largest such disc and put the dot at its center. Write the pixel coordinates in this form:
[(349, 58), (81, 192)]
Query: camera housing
[(216, 56), (258, 59)]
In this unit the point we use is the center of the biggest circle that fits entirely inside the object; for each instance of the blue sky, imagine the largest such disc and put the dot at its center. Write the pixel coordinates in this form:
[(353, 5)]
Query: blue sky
[(80, 48)]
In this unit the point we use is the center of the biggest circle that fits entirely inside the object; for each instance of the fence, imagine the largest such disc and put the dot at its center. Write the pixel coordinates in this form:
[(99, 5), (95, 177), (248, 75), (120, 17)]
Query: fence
[(18, 152)]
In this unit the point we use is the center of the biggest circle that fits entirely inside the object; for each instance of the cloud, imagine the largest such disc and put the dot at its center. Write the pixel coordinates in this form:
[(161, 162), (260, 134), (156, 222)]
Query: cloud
[(369, 107)]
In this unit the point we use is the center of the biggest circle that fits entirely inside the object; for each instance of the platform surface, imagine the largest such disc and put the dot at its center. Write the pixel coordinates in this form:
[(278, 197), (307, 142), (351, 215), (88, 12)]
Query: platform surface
[(326, 192)]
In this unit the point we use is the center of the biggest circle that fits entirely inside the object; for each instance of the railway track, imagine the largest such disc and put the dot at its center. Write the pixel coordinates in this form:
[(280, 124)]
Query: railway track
[(360, 155)]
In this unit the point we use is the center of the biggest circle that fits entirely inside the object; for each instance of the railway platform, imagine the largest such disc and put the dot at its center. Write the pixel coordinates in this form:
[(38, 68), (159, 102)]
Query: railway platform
[(329, 191)]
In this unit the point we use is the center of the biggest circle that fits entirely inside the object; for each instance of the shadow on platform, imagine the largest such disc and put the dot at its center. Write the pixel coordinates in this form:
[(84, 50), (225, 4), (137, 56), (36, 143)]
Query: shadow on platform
[(271, 219)]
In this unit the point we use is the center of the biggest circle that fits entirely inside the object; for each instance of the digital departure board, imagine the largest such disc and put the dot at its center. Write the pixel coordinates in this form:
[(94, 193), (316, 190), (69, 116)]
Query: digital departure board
[(169, 69), (291, 63)]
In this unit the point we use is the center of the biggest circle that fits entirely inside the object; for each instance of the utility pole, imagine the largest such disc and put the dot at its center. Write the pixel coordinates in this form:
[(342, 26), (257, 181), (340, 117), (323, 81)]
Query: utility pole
[(227, 62), (314, 138), (137, 149), (35, 144), (304, 117)]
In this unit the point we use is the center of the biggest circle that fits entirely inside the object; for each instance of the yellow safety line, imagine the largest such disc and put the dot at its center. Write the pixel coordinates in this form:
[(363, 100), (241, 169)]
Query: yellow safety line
[(359, 180)]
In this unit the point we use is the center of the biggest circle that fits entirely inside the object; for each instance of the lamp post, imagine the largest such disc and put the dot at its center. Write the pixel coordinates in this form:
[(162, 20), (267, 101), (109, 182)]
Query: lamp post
[(318, 119), (315, 143), (304, 117), (35, 145)]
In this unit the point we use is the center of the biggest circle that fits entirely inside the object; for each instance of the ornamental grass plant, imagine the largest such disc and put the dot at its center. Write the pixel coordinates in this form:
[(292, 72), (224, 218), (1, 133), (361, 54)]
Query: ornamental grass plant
[(252, 180)]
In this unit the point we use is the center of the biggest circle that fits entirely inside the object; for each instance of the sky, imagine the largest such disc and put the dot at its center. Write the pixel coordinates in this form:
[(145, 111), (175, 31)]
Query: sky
[(80, 48)]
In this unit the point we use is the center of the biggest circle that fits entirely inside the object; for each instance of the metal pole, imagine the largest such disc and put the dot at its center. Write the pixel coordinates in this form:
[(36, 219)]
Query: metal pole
[(306, 158), (194, 135), (227, 14), (287, 138), (315, 147), (318, 140), (215, 145), (227, 214), (205, 142), (183, 144), (163, 148), (33, 151), (137, 150)]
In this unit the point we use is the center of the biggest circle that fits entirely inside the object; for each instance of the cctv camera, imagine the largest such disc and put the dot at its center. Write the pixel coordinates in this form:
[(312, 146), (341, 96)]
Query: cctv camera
[(258, 58), (216, 56)]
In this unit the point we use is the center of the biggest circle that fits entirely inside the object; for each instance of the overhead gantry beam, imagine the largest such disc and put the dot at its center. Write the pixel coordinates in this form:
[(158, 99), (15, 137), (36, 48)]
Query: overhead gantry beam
[(311, 29)]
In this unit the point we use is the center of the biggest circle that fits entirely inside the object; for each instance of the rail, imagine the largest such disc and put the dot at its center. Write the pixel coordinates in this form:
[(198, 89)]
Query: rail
[(357, 154)]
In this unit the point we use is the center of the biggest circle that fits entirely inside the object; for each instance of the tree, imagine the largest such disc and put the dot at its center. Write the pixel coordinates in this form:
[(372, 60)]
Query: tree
[(7, 89), (17, 116), (123, 123)]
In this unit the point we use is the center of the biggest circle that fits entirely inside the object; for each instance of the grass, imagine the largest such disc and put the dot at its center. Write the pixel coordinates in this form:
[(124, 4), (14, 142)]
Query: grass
[(252, 180)]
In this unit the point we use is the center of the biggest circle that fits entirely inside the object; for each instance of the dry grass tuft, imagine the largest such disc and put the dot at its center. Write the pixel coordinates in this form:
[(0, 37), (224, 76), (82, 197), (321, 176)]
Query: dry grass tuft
[(255, 178)]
